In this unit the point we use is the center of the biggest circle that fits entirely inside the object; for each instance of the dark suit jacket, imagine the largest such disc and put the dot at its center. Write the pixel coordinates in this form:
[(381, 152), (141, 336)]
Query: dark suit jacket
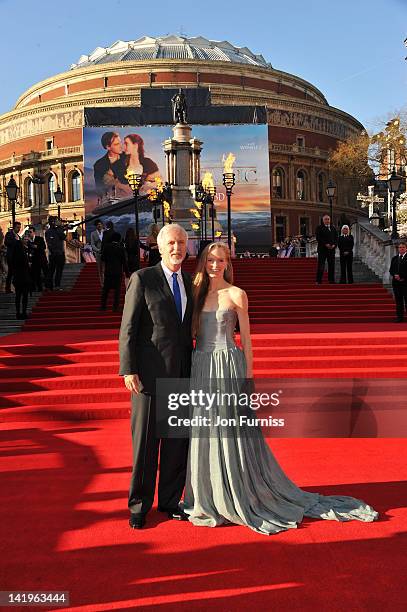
[(38, 252), (326, 236), (345, 244), (399, 267), (21, 266), (154, 343), (115, 259)]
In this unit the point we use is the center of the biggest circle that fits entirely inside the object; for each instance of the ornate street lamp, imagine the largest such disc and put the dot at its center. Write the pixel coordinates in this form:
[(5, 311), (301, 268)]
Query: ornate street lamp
[(38, 179), (394, 183), (134, 180), (330, 192), (200, 196), (160, 195), (210, 199), (229, 182), (12, 192), (59, 196)]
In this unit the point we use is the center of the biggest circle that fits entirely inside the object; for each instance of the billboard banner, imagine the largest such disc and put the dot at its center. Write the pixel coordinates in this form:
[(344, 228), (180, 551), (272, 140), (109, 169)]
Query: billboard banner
[(109, 152)]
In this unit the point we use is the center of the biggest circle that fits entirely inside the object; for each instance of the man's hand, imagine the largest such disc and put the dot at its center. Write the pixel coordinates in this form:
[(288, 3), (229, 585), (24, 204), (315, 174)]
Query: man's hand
[(132, 383), (397, 277)]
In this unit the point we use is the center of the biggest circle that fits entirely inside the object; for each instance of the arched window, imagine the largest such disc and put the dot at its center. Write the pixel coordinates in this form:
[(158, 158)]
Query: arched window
[(300, 185), (320, 187), (29, 192), (52, 187), (278, 183), (76, 186)]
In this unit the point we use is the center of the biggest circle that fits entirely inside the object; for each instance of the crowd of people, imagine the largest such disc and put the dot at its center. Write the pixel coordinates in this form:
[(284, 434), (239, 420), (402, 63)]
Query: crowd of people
[(25, 264), (117, 257), (30, 263)]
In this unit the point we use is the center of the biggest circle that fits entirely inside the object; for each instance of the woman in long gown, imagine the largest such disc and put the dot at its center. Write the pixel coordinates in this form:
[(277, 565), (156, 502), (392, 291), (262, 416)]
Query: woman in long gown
[(232, 474)]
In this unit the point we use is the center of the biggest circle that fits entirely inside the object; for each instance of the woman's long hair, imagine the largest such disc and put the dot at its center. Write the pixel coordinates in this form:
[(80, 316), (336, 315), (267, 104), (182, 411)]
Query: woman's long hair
[(153, 231), (201, 280), (130, 239), (136, 139)]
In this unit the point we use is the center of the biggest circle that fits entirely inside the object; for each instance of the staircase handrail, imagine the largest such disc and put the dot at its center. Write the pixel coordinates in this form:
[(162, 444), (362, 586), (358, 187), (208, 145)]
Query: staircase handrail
[(373, 247)]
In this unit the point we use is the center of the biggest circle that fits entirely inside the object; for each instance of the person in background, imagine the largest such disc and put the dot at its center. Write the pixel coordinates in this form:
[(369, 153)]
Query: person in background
[(55, 237), (38, 258), (114, 258), (3, 258), (96, 238), (22, 280), (345, 245), (132, 249), (398, 270), (153, 253), (107, 234), (10, 239)]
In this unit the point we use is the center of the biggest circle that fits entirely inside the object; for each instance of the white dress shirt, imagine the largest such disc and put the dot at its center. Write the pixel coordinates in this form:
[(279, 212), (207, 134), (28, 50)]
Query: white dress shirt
[(168, 275)]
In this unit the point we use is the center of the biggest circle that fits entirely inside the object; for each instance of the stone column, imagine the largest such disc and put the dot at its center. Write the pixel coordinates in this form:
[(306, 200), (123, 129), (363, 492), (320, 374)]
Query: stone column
[(183, 169)]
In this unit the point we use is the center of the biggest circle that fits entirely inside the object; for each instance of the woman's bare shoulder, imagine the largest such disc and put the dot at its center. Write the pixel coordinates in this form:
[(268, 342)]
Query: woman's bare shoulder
[(238, 296)]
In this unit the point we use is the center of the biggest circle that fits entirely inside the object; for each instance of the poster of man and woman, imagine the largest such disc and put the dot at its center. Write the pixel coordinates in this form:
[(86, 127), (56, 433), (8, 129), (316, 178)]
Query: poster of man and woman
[(110, 153)]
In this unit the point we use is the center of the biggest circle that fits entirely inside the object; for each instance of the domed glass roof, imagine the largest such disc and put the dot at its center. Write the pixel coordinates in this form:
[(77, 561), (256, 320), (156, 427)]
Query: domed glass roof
[(172, 47)]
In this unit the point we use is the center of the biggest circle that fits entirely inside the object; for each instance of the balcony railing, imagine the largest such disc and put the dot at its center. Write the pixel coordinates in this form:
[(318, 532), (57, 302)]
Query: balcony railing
[(37, 156), (297, 150)]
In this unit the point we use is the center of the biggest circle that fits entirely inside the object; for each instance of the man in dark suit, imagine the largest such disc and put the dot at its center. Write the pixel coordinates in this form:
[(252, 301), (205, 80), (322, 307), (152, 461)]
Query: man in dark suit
[(114, 259), (327, 238), (155, 342), (96, 238), (10, 239), (398, 270), (38, 256)]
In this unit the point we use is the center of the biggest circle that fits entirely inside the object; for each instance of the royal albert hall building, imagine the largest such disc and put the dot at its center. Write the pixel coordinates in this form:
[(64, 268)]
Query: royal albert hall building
[(41, 137)]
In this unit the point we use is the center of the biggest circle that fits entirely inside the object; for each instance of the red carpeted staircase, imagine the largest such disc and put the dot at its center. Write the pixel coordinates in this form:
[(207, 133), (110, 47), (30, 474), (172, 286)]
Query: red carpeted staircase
[(79, 379), (279, 291)]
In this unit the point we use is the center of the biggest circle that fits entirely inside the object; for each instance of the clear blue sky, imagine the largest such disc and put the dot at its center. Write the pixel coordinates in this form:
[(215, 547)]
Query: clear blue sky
[(350, 49)]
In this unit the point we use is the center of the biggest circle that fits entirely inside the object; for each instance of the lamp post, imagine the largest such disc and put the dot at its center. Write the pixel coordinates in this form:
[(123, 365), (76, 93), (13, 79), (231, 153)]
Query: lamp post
[(59, 196), (159, 195), (39, 180), (330, 192), (134, 180), (394, 183), (210, 199), (229, 182), (166, 197), (200, 197), (12, 191)]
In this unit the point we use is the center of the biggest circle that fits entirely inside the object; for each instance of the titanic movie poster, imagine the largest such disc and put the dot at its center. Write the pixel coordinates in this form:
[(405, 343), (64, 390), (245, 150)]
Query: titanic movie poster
[(110, 152)]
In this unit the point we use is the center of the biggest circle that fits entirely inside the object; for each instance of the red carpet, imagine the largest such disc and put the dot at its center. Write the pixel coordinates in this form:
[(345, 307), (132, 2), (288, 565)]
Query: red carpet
[(64, 526), (65, 449)]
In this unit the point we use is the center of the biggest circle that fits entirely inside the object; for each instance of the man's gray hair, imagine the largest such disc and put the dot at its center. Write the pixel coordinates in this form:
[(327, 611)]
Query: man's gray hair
[(162, 234)]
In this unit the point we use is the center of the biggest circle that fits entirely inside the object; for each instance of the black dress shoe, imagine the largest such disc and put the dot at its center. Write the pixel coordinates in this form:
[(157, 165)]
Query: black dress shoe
[(175, 514), (137, 521)]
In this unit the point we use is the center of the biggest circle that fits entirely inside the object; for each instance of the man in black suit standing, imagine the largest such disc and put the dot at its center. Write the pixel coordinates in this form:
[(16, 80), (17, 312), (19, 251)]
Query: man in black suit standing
[(398, 270), (155, 342), (327, 238), (10, 239), (39, 263)]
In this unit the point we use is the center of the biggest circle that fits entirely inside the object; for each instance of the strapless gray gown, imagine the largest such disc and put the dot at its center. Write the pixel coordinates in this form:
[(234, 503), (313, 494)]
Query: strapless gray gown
[(234, 478)]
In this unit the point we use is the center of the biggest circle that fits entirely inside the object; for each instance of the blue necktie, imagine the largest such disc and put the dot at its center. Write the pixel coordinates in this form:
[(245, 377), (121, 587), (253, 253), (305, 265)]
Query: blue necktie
[(177, 294)]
